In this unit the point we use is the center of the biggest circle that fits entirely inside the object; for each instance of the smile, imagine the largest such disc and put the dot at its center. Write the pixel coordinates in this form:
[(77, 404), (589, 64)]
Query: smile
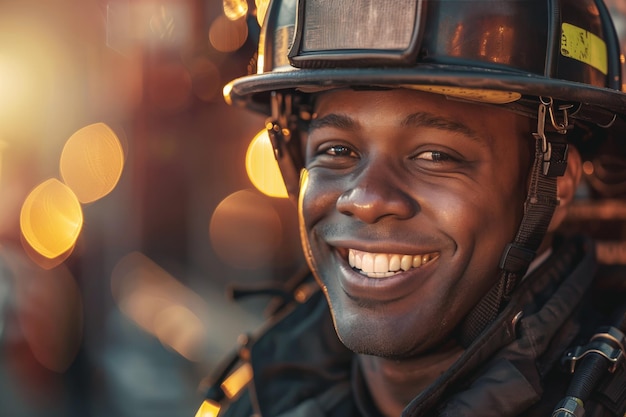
[(384, 265)]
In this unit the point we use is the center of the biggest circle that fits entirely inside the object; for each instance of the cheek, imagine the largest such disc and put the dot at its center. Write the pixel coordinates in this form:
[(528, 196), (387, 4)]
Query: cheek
[(502, 211), (306, 210), (480, 216), (512, 190), (318, 198), (315, 202)]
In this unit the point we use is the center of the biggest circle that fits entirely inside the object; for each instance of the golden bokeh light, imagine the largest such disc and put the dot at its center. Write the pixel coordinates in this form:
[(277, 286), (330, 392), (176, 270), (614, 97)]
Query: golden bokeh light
[(227, 35), (181, 329), (51, 218), (246, 230), (208, 409), (92, 162), (235, 9), (42, 261), (262, 167), (588, 168)]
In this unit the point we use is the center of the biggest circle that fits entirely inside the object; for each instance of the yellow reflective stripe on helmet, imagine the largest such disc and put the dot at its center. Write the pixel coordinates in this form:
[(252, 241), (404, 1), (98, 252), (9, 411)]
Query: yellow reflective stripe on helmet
[(481, 95), (584, 46)]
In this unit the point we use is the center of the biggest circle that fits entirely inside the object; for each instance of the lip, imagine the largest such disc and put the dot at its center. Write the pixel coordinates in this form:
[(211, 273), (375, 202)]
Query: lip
[(362, 288)]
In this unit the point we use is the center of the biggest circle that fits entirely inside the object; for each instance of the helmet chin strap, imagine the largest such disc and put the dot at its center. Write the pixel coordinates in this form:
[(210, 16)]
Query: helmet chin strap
[(550, 161)]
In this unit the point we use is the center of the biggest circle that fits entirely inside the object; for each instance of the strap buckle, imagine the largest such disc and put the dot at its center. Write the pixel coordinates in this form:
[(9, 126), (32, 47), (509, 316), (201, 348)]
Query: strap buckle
[(609, 343), (516, 258), (554, 153)]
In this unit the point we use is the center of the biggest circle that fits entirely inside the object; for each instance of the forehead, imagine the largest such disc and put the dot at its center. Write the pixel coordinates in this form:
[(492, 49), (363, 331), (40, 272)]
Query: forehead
[(394, 108)]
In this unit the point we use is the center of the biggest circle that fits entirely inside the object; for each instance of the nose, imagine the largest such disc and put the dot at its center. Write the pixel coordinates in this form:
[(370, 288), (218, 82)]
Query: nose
[(377, 194)]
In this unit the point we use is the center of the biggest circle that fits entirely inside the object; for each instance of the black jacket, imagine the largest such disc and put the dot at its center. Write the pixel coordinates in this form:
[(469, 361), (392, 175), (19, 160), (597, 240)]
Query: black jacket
[(513, 369)]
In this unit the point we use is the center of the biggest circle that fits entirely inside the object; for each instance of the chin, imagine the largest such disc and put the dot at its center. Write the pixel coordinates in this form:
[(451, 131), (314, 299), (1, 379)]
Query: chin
[(382, 338), (374, 345)]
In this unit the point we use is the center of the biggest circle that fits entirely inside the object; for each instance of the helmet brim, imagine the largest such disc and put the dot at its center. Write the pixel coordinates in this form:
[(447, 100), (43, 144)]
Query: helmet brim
[(253, 91)]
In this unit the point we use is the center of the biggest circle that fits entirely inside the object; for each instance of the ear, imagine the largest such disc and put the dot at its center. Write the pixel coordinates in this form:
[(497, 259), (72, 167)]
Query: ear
[(566, 186)]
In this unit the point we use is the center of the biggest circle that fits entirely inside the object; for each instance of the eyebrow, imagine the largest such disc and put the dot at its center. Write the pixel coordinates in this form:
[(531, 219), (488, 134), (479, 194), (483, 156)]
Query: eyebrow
[(415, 120), (425, 119), (334, 120)]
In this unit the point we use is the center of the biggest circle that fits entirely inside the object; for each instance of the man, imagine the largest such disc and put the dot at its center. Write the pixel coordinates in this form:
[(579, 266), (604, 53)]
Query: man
[(426, 144)]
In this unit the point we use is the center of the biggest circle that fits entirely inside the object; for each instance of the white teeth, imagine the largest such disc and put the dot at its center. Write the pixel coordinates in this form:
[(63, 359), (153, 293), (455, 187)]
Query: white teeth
[(368, 262), (382, 265), (380, 274), (394, 263), (358, 260), (406, 263)]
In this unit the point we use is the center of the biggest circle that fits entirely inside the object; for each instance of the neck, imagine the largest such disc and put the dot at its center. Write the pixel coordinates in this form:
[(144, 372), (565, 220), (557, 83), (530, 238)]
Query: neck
[(394, 383)]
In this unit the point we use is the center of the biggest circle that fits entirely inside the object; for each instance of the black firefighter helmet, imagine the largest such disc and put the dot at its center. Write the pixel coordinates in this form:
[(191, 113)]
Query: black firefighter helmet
[(497, 51)]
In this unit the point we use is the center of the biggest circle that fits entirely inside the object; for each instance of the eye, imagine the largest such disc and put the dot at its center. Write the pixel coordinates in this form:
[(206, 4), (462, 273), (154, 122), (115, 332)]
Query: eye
[(436, 156), (340, 150)]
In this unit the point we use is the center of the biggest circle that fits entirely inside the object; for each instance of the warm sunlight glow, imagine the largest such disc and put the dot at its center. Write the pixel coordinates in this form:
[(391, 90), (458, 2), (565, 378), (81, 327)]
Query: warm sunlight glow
[(12, 82), (3, 145), (37, 73), (262, 167), (92, 162), (235, 9), (51, 218), (208, 409)]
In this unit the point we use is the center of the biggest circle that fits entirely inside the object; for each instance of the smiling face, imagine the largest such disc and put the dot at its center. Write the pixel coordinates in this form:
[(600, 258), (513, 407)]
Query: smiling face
[(408, 202)]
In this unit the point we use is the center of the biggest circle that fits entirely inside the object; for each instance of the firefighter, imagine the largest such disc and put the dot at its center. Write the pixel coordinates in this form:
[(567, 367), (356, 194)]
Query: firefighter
[(432, 149)]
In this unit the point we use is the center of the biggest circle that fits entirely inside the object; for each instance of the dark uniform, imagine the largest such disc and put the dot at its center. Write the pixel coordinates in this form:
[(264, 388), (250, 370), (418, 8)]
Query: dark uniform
[(517, 367)]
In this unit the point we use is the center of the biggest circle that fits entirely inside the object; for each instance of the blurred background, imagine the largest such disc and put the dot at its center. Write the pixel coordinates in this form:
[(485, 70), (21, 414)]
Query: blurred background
[(126, 209), (133, 199)]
